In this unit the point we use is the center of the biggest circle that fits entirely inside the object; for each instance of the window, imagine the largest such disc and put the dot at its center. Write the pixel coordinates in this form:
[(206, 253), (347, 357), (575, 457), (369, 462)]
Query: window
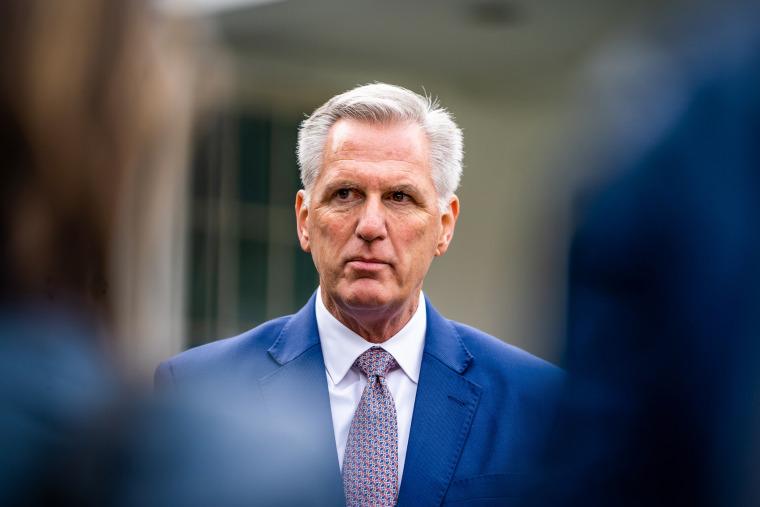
[(246, 265)]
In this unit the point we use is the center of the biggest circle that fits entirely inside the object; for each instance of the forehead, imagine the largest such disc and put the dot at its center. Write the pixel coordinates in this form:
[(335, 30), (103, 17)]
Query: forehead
[(363, 141)]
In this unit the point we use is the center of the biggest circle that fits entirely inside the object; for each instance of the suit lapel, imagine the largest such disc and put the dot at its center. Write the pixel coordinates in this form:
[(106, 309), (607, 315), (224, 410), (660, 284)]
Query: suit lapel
[(297, 390), (443, 412)]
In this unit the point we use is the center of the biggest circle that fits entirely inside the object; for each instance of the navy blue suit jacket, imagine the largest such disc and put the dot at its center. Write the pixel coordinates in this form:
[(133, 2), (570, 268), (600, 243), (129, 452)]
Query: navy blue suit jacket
[(481, 420)]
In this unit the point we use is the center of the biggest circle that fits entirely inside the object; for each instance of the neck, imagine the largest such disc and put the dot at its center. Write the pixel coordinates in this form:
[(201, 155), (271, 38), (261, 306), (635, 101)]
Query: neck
[(376, 325)]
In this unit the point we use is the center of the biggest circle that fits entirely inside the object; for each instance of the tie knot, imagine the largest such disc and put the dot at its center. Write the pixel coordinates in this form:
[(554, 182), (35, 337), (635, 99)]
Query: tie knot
[(375, 361)]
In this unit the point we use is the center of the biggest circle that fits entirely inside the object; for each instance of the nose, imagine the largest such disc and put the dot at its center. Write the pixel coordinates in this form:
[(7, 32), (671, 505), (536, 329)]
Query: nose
[(371, 224)]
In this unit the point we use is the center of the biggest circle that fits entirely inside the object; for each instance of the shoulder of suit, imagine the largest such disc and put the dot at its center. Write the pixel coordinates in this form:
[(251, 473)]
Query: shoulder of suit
[(488, 348), (259, 338)]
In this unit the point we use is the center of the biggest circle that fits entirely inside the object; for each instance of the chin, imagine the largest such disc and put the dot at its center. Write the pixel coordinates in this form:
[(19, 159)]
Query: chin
[(365, 295)]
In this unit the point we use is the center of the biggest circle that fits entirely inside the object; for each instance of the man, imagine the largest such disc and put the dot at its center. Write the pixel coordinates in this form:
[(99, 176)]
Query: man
[(450, 414)]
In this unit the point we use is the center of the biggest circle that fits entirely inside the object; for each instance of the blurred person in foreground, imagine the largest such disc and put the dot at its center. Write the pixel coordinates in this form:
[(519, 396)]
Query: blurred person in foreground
[(411, 408), (663, 393), (88, 100)]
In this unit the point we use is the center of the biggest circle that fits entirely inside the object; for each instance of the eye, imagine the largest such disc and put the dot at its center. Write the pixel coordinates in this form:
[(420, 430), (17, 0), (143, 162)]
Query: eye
[(344, 194), (399, 197)]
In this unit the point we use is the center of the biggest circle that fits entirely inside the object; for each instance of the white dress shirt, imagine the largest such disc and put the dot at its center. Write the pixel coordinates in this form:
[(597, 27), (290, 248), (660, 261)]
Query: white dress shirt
[(345, 382)]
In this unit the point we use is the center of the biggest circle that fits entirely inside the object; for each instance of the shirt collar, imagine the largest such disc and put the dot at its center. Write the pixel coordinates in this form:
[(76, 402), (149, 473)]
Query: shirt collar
[(341, 346)]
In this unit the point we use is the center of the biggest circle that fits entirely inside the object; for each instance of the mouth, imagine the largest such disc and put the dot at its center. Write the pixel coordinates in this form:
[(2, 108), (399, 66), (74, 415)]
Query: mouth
[(366, 264)]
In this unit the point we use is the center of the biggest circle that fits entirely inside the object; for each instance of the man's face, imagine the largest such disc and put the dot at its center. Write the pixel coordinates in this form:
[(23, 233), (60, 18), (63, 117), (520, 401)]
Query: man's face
[(373, 225)]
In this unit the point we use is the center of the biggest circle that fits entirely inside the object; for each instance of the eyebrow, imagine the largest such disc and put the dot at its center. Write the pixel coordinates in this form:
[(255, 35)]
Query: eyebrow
[(407, 189), (336, 185)]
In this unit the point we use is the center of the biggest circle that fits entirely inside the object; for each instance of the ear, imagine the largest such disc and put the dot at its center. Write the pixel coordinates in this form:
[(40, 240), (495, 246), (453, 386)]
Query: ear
[(448, 220), (302, 222)]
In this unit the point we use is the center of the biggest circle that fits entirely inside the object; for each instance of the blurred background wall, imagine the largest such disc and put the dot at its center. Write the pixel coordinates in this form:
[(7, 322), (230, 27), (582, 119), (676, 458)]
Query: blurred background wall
[(512, 72)]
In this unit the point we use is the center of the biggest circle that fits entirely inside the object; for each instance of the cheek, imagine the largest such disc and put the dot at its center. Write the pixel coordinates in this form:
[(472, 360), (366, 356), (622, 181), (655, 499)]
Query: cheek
[(425, 230), (418, 239), (331, 232)]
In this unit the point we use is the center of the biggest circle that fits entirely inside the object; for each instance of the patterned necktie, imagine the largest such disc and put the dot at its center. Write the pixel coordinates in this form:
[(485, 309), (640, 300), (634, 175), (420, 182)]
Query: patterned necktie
[(370, 465)]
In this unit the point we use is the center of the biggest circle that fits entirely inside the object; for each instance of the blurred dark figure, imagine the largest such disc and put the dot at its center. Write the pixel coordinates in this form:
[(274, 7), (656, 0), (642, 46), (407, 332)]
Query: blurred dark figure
[(663, 397), (87, 100)]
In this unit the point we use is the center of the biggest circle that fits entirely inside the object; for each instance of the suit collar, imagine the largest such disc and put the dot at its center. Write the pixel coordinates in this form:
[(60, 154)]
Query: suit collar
[(442, 341), (299, 335)]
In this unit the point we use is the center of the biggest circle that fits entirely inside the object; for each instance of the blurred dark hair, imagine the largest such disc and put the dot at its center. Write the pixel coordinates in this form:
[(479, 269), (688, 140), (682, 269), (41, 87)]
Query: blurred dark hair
[(82, 100)]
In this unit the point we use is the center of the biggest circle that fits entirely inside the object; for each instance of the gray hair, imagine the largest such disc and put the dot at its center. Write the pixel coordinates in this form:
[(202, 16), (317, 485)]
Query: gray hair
[(386, 104)]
